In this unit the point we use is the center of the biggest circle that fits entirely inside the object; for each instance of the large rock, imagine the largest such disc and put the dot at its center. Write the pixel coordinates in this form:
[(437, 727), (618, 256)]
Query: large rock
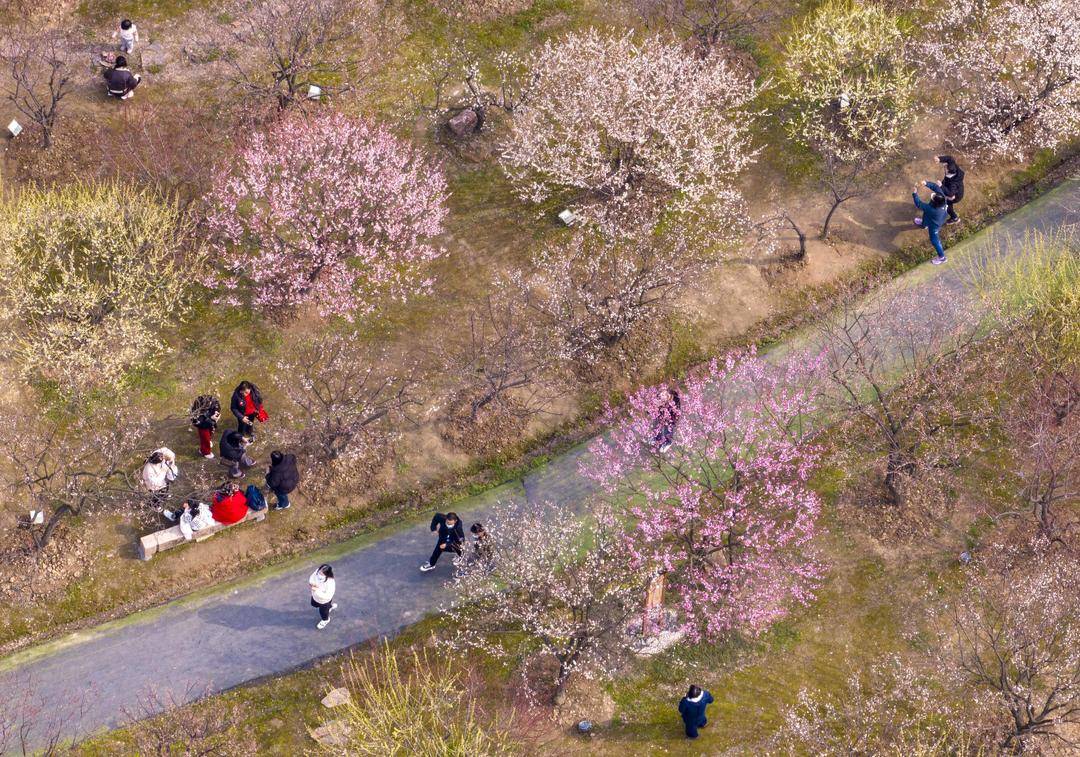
[(464, 123), (336, 697), (334, 733)]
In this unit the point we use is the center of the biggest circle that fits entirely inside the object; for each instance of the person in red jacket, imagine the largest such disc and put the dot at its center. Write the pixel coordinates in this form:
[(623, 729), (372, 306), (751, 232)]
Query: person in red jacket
[(229, 505)]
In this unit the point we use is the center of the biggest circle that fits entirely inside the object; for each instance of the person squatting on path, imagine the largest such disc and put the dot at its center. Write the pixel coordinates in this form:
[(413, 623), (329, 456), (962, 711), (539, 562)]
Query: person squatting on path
[(282, 478), (193, 516), (322, 587), (158, 472), (233, 446), (205, 414), (119, 79), (247, 406), (667, 419), (481, 541), (451, 538), (692, 708), (933, 218), (951, 187), (128, 34)]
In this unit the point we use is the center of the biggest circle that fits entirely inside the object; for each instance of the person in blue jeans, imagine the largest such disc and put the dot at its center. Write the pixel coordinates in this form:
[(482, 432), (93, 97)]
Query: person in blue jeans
[(692, 708), (933, 218)]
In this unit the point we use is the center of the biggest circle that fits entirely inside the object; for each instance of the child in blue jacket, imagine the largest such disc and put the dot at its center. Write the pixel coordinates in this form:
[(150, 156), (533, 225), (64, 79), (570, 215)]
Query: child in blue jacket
[(692, 708), (933, 218)]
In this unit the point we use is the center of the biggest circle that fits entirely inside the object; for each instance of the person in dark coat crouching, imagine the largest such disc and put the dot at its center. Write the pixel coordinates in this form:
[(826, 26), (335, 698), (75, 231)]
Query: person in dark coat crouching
[(282, 478), (692, 708), (233, 445), (451, 538)]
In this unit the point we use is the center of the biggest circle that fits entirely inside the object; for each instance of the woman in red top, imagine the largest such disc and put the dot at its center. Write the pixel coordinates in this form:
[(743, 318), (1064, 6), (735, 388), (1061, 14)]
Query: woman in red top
[(229, 505), (247, 406)]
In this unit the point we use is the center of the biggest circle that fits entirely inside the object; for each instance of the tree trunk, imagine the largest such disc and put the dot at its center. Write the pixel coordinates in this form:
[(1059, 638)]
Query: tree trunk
[(828, 218), (42, 540), (560, 686)]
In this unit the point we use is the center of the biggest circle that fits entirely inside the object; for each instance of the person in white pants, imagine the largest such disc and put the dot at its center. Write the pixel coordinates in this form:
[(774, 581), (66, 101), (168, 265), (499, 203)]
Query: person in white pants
[(322, 587)]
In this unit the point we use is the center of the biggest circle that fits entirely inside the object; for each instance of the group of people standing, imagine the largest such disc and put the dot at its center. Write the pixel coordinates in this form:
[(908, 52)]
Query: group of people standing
[(229, 503)]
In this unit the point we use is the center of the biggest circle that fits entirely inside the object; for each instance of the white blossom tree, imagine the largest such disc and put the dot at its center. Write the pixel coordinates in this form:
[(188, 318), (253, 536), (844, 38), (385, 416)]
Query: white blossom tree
[(552, 587), (617, 129), (1011, 69), (847, 93)]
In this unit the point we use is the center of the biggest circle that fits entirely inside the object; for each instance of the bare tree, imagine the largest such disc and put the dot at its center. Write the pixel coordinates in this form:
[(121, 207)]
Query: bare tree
[(277, 50), (503, 374), (68, 466), (342, 404), (32, 723), (707, 22), (40, 77), (1016, 638), (168, 725), (895, 368), (459, 81)]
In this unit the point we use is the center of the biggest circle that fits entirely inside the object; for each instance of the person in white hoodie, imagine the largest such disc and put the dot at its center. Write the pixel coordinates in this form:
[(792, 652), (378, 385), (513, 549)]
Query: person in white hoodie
[(322, 587), (193, 516), (157, 473)]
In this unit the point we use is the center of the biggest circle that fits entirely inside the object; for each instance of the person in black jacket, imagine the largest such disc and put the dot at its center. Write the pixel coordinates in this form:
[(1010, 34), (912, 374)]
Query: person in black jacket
[(205, 413), (247, 406), (451, 538), (120, 80), (232, 446), (692, 708), (951, 187), (282, 478)]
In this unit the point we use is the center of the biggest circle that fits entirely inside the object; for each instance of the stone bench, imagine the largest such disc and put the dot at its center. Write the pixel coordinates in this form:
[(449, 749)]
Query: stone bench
[(167, 538)]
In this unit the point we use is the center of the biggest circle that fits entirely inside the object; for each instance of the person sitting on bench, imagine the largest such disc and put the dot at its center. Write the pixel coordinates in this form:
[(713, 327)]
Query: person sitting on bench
[(120, 80)]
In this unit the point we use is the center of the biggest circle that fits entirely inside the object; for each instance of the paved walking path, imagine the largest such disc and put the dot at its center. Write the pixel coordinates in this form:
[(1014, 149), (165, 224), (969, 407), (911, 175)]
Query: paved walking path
[(264, 626)]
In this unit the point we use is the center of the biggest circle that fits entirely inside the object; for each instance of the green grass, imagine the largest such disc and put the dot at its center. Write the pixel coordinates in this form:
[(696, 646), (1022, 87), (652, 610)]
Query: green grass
[(138, 11)]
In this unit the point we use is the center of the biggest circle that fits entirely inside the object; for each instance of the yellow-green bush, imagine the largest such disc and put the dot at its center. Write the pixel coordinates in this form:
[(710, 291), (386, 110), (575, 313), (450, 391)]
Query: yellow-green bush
[(90, 280)]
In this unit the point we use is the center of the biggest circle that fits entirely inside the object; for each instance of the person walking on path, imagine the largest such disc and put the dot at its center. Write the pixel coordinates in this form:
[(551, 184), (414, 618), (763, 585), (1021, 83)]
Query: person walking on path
[(247, 406), (282, 478), (233, 446), (451, 538), (692, 708), (322, 587), (205, 414), (951, 187), (128, 34), (158, 472), (933, 218), (119, 79)]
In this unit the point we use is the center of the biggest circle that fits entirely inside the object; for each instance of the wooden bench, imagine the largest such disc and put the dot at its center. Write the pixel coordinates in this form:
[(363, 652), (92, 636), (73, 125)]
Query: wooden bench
[(168, 538)]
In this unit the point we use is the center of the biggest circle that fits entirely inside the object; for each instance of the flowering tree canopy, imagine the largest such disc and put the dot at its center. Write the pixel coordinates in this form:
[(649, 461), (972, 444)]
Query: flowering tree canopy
[(91, 280), (727, 510), (847, 91), (1013, 70), (615, 126), (563, 586), (330, 211)]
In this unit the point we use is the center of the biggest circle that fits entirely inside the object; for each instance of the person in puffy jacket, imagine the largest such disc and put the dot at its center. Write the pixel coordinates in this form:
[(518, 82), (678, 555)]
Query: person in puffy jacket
[(247, 407), (282, 478), (205, 413), (229, 505), (692, 709), (158, 472), (233, 445), (119, 79)]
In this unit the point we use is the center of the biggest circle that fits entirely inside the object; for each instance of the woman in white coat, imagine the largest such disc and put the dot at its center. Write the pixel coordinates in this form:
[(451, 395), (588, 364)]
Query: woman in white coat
[(322, 587), (158, 472)]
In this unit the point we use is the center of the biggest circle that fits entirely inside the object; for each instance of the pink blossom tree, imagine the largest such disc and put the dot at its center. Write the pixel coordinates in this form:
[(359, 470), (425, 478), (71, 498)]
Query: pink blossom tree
[(616, 127), (727, 511), (1012, 69), (329, 211)]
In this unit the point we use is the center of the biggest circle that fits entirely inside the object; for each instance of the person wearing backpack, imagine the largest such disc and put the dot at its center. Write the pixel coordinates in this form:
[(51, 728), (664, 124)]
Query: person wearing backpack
[(282, 478), (205, 414)]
